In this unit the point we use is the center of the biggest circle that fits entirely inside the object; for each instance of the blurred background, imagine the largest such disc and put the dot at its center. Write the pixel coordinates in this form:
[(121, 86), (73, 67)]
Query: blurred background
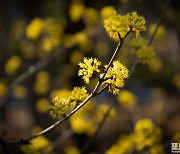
[(41, 44)]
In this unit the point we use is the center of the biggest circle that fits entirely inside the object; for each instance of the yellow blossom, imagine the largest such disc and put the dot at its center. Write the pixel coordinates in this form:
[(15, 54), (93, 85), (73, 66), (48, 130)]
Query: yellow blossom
[(3, 87), (35, 28), (160, 32), (102, 110), (144, 52), (38, 145), (76, 11), (90, 16), (72, 150), (19, 91), (13, 64), (62, 106), (176, 80), (107, 12), (122, 146), (146, 133), (115, 77), (156, 149), (88, 67), (42, 105), (76, 57), (123, 23), (41, 85), (127, 98)]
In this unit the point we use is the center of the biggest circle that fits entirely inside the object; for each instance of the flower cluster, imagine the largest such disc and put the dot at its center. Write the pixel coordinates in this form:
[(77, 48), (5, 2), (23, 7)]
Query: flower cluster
[(86, 120), (144, 52), (123, 145), (38, 145), (115, 76), (123, 23), (13, 64), (78, 11), (64, 105), (127, 98), (88, 67), (145, 135)]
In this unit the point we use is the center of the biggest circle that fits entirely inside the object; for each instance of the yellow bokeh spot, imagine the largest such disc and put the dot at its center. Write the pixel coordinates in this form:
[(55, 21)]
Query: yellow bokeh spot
[(72, 150), (13, 64), (41, 85), (36, 129), (107, 12), (155, 65), (127, 98), (76, 56), (76, 11), (161, 32), (176, 80), (19, 91), (35, 28), (3, 88), (42, 105)]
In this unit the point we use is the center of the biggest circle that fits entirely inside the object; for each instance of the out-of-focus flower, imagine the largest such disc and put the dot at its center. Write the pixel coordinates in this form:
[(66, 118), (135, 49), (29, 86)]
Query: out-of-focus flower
[(146, 133), (72, 150), (3, 87), (41, 85), (19, 91), (38, 145), (13, 64), (42, 105), (161, 32), (127, 98), (35, 28), (107, 12), (76, 11)]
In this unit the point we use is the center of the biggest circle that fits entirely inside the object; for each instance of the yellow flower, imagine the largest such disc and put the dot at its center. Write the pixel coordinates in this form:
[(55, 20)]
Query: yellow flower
[(19, 91), (144, 52), (127, 98), (72, 150), (101, 111), (62, 106), (161, 32), (41, 85), (91, 16), (123, 23), (156, 149), (76, 12), (115, 77), (146, 133), (42, 105), (76, 56), (3, 87), (107, 12), (13, 64), (176, 80), (122, 146), (88, 67), (35, 28), (38, 145)]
